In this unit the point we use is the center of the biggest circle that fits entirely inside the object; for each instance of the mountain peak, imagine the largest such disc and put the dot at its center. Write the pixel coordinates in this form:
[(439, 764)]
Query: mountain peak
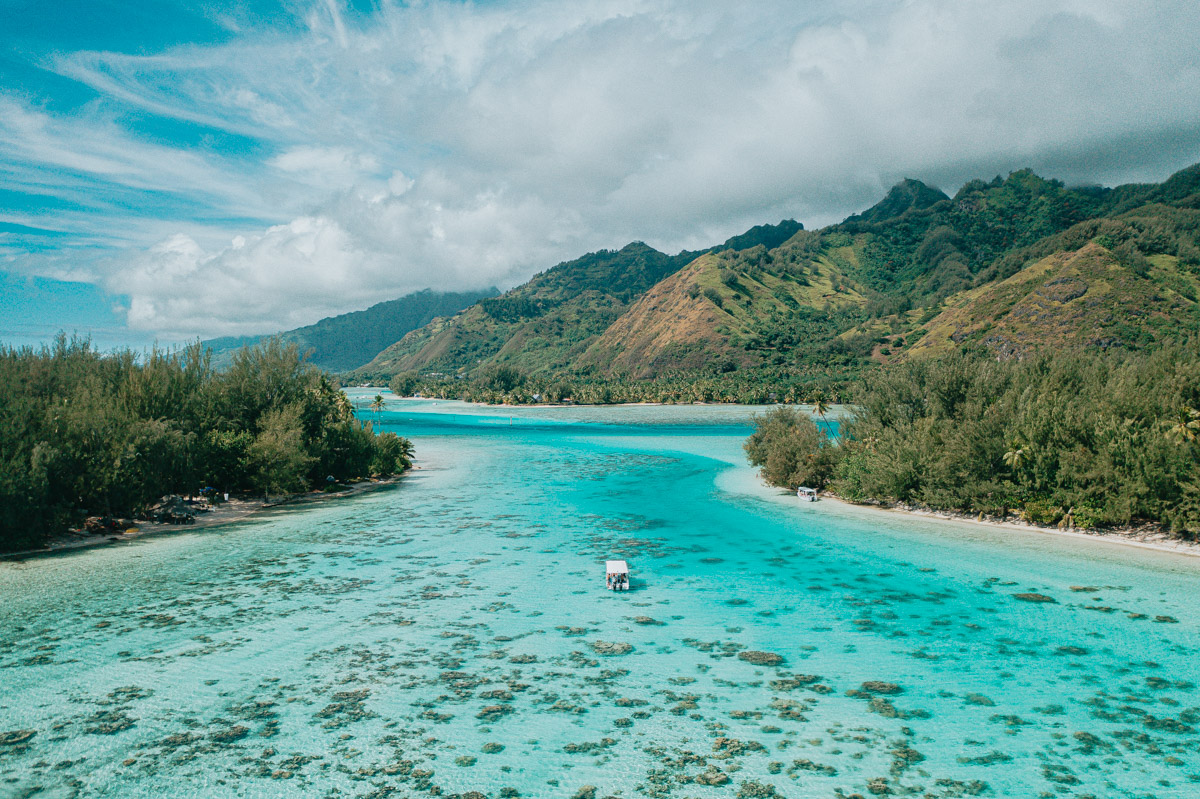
[(907, 195), (770, 236)]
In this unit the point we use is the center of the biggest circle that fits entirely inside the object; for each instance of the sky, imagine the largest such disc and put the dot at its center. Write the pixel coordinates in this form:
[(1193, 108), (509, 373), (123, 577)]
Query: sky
[(181, 170)]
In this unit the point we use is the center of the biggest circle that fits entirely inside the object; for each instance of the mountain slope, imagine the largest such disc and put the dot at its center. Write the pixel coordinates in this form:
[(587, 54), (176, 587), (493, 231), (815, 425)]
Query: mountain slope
[(713, 312), (1013, 265), (341, 343), (542, 324), (1117, 288), (546, 324)]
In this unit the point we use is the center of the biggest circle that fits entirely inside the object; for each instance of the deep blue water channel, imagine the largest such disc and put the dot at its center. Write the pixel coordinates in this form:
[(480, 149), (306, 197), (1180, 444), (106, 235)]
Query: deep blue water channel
[(452, 635)]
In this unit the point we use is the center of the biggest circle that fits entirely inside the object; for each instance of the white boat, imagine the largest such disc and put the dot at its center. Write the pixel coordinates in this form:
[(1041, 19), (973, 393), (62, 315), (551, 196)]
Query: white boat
[(806, 494), (616, 576)]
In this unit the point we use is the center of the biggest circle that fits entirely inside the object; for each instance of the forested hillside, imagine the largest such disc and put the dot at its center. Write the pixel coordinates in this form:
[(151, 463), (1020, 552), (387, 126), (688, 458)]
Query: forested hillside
[(1009, 265), (545, 325), (345, 342)]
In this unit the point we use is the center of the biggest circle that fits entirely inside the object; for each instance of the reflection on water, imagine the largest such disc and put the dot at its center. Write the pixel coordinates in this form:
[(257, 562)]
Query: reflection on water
[(453, 635)]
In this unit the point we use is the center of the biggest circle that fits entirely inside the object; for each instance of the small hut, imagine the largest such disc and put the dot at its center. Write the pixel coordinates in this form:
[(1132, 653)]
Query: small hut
[(616, 575)]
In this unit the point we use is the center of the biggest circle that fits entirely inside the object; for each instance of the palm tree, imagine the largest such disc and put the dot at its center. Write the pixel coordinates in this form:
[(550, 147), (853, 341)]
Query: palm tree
[(1016, 455), (820, 406), (345, 407), (819, 403), (377, 405), (1185, 426)]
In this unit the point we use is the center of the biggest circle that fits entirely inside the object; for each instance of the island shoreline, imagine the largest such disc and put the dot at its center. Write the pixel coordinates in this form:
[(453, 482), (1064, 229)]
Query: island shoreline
[(231, 512), (1146, 537)]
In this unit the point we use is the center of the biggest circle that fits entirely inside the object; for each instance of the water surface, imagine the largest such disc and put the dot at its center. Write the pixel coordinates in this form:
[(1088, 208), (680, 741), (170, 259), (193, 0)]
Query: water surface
[(452, 635)]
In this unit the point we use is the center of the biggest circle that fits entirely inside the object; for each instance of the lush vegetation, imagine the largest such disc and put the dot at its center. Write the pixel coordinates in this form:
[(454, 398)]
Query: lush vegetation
[(1012, 265), (83, 433), (546, 324), (792, 449), (499, 383), (345, 342), (1078, 440)]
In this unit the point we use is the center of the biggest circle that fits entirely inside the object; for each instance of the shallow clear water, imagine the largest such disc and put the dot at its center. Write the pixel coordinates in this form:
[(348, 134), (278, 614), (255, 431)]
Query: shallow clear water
[(452, 634)]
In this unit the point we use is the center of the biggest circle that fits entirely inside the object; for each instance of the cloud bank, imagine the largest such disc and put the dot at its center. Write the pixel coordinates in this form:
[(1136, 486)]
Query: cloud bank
[(290, 173)]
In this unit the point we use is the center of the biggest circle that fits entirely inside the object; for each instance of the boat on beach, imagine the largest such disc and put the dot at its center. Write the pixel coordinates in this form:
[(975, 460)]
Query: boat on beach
[(806, 494)]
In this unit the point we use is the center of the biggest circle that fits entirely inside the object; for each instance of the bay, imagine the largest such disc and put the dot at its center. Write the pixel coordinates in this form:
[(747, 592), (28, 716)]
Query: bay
[(453, 634)]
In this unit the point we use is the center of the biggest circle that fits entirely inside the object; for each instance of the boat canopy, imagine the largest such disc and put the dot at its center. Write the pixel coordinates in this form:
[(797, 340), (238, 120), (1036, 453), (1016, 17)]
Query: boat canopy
[(616, 567)]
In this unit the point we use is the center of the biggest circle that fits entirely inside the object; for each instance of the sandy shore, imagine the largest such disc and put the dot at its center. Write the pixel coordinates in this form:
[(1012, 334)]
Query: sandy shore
[(1146, 537), (235, 510)]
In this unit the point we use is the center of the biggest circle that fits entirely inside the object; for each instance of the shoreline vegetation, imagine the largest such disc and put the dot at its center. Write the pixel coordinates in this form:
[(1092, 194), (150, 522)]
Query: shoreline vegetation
[(500, 384), (90, 439), (1101, 441), (237, 509)]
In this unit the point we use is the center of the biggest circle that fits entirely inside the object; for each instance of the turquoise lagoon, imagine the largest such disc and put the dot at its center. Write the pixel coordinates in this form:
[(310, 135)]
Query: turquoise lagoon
[(452, 636)]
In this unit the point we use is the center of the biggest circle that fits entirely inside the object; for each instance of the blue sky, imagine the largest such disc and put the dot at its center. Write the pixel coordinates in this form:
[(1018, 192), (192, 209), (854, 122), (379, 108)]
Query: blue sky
[(180, 170)]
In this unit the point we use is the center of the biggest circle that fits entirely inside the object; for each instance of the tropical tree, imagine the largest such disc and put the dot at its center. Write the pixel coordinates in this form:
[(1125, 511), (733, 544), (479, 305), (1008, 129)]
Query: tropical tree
[(791, 450), (819, 402), (1016, 456), (377, 404), (1185, 427), (820, 406)]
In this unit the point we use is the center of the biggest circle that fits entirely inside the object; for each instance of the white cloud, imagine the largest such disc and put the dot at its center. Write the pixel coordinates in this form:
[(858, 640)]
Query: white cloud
[(445, 145)]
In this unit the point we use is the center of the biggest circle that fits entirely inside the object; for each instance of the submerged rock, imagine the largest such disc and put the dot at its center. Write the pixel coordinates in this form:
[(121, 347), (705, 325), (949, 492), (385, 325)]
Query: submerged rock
[(493, 712), (1035, 598), (230, 734), (759, 658), (611, 648), (793, 682), (877, 687), (15, 737), (713, 776), (724, 748)]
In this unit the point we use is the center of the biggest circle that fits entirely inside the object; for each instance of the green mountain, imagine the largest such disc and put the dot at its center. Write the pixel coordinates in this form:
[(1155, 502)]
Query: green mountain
[(1012, 265), (345, 342), (1102, 284), (547, 324), (907, 195)]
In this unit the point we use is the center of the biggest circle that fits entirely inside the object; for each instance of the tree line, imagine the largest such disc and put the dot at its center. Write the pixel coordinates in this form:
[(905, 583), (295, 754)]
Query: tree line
[(85, 433), (1078, 440), (725, 383)]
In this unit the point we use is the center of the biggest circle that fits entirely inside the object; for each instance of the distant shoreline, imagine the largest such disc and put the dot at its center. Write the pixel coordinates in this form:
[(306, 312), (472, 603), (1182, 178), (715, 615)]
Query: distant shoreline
[(235, 510), (834, 412)]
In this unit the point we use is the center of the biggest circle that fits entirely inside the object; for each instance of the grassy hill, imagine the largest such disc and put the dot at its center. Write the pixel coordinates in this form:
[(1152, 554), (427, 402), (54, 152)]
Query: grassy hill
[(345, 342), (1011, 266), (541, 325), (1075, 299), (547, 324), (724, 309)]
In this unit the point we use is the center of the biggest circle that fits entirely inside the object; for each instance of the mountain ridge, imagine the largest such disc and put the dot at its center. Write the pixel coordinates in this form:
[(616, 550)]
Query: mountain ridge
[(347, 341), (916, 274)]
